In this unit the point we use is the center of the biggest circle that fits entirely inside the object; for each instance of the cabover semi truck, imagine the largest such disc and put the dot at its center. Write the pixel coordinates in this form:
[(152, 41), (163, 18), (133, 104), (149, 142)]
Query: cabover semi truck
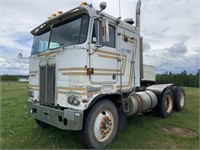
[(86, 74)]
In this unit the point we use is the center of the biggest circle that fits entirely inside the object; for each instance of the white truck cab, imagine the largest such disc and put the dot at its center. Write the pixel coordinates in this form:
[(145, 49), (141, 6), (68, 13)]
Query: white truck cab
[(86, 73)]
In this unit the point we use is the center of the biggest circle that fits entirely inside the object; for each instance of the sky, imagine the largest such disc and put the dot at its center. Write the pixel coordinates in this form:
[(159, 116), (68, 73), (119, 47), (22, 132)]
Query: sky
[(170, 29)]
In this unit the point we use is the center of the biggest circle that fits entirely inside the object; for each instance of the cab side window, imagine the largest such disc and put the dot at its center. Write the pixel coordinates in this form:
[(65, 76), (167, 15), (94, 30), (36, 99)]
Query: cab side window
[(97, 34)]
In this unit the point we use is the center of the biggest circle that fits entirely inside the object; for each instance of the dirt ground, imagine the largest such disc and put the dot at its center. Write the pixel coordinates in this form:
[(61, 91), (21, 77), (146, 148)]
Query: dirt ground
[(183, 132)]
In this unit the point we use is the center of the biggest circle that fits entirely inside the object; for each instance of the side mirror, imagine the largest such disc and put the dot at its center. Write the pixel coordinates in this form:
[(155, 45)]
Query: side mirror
[(105, 30), (102, 7), (20, 55)]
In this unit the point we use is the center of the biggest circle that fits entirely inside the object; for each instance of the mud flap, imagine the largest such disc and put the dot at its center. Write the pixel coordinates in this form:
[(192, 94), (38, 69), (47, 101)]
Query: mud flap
[(123, 119)]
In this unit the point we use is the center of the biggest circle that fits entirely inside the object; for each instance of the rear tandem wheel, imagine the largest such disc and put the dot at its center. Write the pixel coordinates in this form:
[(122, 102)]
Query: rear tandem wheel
[(165, 104), (179, 98)]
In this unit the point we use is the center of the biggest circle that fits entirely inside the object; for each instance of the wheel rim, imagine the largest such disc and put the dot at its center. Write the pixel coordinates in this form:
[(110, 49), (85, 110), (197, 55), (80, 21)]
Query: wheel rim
[(182, 99), (103, 125), (168, 103)]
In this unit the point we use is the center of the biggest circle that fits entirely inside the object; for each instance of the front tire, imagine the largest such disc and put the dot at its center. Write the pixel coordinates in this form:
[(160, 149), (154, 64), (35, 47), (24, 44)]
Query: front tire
[(101, 125)]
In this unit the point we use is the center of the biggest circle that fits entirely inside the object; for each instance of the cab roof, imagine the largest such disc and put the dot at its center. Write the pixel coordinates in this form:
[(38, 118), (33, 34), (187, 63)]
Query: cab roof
[(82, 8)]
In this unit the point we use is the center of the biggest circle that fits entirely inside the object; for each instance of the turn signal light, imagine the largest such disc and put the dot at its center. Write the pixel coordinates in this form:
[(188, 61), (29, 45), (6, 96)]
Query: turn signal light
[(90, 71), (84, 101)]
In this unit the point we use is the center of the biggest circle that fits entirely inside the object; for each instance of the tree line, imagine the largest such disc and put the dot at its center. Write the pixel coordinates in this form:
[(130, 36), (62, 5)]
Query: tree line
[(181, 79), (12, 77)]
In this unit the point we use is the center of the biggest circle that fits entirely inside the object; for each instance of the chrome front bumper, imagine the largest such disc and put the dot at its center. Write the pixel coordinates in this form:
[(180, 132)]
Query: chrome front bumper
[(64, 119)]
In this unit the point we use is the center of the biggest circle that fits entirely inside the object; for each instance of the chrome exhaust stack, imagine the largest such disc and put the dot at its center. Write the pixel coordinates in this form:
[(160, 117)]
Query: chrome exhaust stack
[(137, 19)]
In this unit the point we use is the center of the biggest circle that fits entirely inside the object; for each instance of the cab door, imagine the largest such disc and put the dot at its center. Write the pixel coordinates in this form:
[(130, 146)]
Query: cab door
[(103, 55)]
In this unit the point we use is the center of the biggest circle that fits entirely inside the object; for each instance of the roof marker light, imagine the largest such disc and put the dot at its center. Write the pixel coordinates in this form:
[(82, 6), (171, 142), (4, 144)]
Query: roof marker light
[(84, 3), (59, 12), (53, 15)]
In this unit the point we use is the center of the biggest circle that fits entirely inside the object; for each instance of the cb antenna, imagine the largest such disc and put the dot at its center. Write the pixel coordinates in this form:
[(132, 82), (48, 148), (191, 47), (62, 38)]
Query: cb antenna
[(119, 8)]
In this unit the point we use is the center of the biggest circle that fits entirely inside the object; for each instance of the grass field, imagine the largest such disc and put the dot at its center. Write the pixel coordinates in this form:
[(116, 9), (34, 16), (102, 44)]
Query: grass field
[(19, 131)]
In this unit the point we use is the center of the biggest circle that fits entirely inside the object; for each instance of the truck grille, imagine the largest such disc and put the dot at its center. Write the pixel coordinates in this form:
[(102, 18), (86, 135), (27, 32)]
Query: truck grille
[(47, 85)]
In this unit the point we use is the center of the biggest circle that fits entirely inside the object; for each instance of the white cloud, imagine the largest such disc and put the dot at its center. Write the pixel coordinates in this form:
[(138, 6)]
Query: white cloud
[(175, 58), (168, 22), (13, 65), (164, 25)]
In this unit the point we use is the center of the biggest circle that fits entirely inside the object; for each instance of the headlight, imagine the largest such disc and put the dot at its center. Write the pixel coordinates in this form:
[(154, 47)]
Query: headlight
[(74, 99), (70, 99)]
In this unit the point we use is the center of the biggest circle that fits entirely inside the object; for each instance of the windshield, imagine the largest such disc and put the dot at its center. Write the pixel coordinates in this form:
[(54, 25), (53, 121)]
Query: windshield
[(40, 42), (70, 32)]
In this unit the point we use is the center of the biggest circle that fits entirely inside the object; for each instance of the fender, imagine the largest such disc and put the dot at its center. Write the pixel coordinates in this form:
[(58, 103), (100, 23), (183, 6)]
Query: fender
[(112, 97)]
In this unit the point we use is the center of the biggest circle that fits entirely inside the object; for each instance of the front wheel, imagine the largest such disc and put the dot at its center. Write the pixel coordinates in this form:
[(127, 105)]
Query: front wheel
[(101, 125)]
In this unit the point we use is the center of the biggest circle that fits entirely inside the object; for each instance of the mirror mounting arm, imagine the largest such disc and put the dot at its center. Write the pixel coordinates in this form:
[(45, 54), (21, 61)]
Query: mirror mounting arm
[(97, 46)]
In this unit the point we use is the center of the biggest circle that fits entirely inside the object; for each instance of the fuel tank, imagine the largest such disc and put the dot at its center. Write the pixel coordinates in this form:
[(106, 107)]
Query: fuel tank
[(141, 101)]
